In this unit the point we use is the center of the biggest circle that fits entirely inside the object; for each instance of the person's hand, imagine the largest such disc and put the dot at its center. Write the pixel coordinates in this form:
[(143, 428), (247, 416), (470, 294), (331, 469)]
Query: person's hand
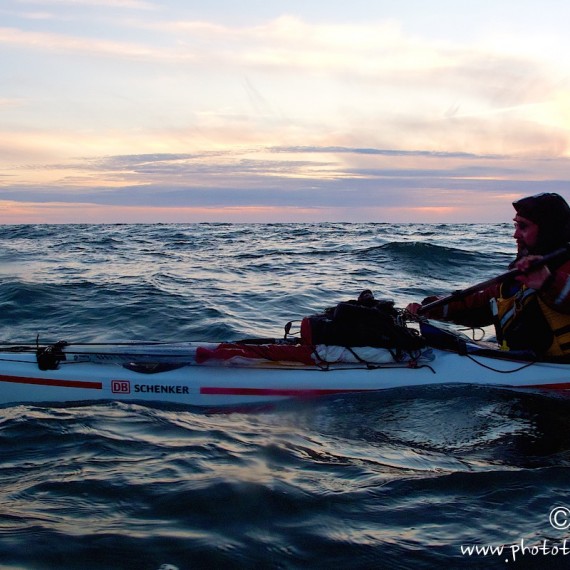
[(536, 278), (413, 308)]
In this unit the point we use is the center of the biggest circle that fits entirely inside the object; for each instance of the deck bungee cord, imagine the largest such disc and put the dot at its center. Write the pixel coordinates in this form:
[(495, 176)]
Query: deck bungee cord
[(50, 356)]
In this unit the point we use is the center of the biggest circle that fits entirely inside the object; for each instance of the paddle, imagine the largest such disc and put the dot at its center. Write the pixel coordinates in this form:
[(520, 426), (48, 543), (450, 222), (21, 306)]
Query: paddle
[(457, 295)]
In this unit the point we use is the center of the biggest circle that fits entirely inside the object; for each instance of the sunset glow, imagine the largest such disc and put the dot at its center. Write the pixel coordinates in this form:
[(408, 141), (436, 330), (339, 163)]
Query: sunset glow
[(365, 111)]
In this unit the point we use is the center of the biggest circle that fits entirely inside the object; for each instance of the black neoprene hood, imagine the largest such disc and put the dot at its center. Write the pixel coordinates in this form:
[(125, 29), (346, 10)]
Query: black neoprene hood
[(551, 213)]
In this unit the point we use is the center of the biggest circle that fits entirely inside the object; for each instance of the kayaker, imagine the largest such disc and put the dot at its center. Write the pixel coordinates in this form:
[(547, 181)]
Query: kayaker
[(532, 311)]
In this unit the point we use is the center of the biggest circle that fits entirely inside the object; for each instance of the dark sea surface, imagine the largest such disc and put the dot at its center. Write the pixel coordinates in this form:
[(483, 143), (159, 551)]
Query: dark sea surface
[(406, 478)]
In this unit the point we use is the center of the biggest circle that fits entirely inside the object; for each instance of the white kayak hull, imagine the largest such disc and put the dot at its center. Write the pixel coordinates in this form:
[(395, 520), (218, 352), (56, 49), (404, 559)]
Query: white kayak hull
[(100, 374)]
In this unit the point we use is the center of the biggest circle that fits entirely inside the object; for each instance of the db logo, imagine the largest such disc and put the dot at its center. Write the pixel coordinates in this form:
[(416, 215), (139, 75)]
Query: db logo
[(120, 387)]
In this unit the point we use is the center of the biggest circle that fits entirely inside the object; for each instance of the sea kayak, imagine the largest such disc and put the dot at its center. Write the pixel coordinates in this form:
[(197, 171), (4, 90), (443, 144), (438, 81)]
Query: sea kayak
[(257, 372)]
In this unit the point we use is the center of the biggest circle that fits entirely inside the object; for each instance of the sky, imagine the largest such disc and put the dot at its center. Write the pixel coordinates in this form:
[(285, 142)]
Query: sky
[(272, 111)]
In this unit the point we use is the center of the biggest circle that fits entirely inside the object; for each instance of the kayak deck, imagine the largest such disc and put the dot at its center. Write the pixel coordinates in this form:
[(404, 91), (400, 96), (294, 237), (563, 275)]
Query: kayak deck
[(229, 374)]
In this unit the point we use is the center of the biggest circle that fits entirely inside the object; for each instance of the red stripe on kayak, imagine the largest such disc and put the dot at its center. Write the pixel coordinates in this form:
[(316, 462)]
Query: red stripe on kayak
[(52, 382), (559, 386), (223, 391)]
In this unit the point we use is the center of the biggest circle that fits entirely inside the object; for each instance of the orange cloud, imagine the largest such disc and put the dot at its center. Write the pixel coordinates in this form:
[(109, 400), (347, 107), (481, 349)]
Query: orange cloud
[(64, 213)]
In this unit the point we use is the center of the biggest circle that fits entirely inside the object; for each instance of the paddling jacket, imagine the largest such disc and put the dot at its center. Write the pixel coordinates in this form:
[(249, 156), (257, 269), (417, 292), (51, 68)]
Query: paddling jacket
[(525, 319)]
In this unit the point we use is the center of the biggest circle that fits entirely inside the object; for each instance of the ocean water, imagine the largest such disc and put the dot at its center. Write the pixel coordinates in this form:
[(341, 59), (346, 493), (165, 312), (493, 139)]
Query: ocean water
[(407, 478)]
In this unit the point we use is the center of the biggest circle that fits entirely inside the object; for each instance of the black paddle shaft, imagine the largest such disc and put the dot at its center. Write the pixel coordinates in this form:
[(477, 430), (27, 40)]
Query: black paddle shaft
[(557, 254)]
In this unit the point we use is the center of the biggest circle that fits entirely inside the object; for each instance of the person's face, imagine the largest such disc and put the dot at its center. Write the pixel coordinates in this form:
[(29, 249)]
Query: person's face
[(526, 234)]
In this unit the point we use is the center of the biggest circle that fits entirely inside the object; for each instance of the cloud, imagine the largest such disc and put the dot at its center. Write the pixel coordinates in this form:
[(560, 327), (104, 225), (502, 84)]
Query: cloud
[(64, 213), (284, 113), (381, 151), (122, 4), (375, 50), (83, 45), (445, 184), (287, 79)]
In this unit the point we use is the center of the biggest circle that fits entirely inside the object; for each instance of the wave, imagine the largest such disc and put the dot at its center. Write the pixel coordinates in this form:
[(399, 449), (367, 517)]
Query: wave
[(421, 251), (327, 484), (437, 261)]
